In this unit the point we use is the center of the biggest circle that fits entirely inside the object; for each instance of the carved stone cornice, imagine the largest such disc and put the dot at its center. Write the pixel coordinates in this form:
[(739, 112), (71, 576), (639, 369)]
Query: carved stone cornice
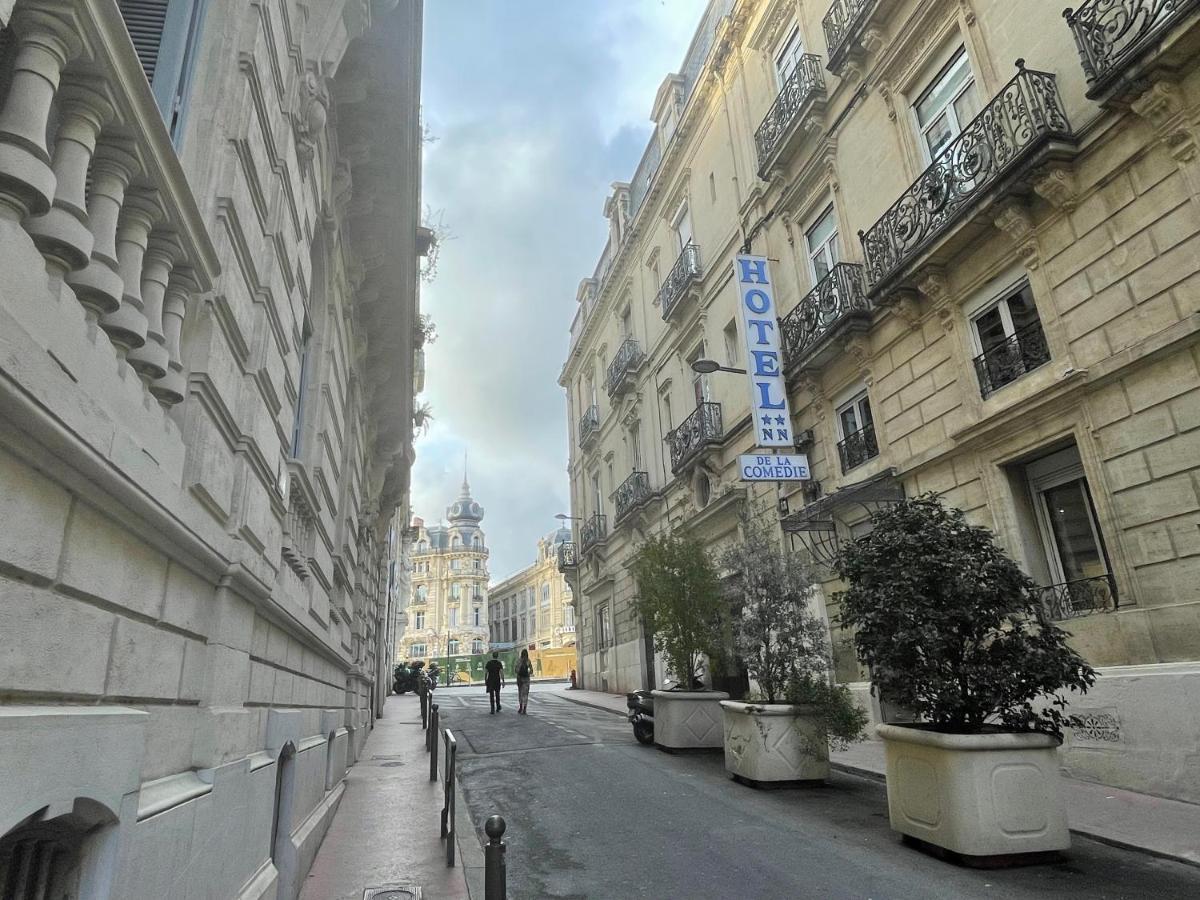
[(1163, 106)]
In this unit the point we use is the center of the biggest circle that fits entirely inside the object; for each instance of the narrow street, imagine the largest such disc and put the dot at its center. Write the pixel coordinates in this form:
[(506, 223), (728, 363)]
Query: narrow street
[(592, 814)]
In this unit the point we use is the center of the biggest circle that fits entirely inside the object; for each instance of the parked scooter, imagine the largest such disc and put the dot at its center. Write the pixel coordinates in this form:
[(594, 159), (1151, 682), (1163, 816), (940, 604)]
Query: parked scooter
[(641, 715)]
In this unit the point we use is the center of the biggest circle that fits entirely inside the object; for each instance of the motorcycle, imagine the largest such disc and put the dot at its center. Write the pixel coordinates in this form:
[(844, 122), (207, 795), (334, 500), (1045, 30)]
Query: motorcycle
[(641, 715), (407, 677)]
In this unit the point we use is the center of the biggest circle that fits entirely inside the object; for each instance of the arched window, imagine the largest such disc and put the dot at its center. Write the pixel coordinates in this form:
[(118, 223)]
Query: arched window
[(454, 542), (44, 859), (477, 542), (422, 546)]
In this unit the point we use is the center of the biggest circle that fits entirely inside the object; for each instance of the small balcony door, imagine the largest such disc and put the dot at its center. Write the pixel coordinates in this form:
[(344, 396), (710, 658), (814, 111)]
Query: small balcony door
[(822, 245), (700, 385), (947, 105), (787, 57), (682, 226), (1066, 518)]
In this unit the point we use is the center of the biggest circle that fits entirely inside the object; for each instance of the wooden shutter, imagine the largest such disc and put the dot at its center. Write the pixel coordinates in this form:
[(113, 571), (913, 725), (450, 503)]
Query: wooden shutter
[(145, 20)]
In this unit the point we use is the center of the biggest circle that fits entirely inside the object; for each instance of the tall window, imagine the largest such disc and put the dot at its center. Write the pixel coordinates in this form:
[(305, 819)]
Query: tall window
[(854, 416), (166, 34), (476, 617), (569, 615), (455, 591), (477, 646), (627, 323), (597, 494), (947, 105), (822, 245), (603, 627), (454, 617), (545, 596), (700, 388), (635, 446), (787, 57), (731, 343), (856, 432), (301, 389), (453, 648), (668, 420), (422, 593), (419, 621), (681, 224), (1008, 340)]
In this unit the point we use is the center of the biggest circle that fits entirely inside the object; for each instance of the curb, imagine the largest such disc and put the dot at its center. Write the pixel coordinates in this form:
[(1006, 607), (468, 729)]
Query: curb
[(592, 705), (881, 778)]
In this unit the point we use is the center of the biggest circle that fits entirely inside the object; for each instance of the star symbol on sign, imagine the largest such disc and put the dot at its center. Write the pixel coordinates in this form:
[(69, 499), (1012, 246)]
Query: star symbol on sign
[(766, 420), (779, 420)]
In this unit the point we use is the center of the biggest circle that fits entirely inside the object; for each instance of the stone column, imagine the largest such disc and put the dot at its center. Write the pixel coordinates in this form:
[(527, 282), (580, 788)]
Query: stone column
[(150, 360), (98, 284), (44, 44), (62, 234), (127, 326), (171, 387)]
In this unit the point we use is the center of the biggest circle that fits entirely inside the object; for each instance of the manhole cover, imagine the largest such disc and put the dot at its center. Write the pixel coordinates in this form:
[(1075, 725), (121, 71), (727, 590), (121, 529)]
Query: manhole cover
[(393, 892)]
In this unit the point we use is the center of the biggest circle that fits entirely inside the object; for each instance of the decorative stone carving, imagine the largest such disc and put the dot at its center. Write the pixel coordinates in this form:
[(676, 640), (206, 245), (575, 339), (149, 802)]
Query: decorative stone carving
[(1164, 108), (1014, 220), (858, 348), (907, 305), (931, 282), (1057, 185), (1096, 727), (885, 91), (311, 115)]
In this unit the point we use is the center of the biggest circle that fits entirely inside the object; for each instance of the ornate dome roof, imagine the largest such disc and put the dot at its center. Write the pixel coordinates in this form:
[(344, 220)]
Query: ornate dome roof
[(464, 510)]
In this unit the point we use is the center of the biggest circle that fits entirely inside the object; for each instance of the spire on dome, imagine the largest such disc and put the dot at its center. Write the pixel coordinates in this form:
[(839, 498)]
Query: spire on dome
[(466, 485), (464, 510)]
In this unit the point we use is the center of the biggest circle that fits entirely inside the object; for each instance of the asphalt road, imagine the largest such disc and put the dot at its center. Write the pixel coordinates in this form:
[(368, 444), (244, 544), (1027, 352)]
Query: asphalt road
[(592, 814)]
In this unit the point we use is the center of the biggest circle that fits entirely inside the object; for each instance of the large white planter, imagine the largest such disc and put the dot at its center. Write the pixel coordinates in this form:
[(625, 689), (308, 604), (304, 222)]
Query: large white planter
[(688, 720), (975, 794), (774, 743)]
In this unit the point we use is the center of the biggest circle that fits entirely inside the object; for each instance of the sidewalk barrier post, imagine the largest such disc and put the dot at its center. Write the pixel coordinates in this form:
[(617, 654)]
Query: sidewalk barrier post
[(433, 749), (448, 829), (495, 872), (424, 711), (431, 731)]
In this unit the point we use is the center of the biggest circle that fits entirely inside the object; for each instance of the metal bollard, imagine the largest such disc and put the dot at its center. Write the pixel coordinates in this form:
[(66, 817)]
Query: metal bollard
[(424, 711), (495, 870), (433, 749), (449, 826)]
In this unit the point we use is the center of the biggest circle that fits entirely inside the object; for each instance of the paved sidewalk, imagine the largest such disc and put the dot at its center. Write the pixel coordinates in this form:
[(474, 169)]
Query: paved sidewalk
[(386, 831), (1160, 827)]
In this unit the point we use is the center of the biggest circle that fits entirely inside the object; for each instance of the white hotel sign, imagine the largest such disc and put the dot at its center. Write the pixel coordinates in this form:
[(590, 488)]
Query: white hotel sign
[(772, 417), (774, 467)]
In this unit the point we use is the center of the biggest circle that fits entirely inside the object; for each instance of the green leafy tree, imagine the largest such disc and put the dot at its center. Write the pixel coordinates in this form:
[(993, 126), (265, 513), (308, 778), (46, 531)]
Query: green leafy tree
[(777, 635), (951, 627), (679, 599)]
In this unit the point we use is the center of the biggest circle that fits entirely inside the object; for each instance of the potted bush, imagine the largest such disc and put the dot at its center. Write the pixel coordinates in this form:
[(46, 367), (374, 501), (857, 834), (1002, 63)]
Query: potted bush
[(951, 629), (783, 735), (679, 599)]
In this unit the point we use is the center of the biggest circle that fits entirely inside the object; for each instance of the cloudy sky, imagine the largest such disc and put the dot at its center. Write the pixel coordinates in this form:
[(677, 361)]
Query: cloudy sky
[(537, 106)]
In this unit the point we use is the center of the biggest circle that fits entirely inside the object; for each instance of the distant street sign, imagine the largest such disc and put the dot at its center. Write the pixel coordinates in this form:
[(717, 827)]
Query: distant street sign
[(774, 467)]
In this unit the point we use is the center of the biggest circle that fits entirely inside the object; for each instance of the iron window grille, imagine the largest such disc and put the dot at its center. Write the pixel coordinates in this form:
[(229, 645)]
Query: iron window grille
[(855, 449), (1081, 597), (1008, 360)]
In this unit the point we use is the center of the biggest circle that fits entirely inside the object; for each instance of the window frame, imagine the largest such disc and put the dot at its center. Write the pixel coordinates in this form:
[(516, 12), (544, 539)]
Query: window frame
[(828, 249), (856, 400), (789, 49), (958, 57)]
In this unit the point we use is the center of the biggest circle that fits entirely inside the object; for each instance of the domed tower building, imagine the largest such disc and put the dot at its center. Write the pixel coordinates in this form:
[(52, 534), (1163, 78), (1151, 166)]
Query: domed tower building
[(447, 613)]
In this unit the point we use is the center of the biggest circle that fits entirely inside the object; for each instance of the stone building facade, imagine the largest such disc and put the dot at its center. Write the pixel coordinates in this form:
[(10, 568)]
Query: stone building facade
[(209, 239), (448, 605), (535, 608), (988, 280)]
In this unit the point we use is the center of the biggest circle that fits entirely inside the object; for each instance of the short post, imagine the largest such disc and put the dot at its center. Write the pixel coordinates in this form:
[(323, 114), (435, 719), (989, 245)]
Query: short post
[(448, 816), (433, 748), (495, 871), (424, 710)]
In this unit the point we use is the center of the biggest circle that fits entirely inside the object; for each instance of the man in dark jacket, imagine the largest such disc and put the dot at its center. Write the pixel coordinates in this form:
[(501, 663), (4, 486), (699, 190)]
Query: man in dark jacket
[(494, 680)]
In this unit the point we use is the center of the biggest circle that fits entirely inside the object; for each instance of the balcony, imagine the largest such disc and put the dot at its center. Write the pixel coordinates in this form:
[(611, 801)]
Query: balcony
[(682, 276), (89, 172), (589, 426), (701, 429), (800, 104), (997, 153), (593, 531), (1114, 35), (837, 305), (1009, 360), (844, 25), (624, 367), (633, 493), (855, 449), (1073, 599)]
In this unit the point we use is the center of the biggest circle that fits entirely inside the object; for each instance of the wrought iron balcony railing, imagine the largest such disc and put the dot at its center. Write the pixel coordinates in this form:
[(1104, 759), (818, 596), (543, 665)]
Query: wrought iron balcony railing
[(589, 425), (594, 530), (838, 296), (1008, 361), (1025, 117), (855, 449), (803, 86), (633, 492), (627, 361), (701, 428), (568, 558), (842, 23), (1078, 598), (683, 273), (1112, 34)]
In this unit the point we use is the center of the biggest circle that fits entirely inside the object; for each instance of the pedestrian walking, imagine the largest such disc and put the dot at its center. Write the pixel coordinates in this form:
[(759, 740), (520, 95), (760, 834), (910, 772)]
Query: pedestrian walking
[(494, 680), (524, 674)]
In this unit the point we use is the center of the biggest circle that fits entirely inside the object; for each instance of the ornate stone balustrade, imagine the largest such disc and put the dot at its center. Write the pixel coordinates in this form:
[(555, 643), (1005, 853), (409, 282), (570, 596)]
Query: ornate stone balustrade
[(131, 247)]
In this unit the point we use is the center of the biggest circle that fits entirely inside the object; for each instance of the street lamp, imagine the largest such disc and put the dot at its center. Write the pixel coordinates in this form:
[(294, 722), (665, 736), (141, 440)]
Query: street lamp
[(708, 366), (563, 517)]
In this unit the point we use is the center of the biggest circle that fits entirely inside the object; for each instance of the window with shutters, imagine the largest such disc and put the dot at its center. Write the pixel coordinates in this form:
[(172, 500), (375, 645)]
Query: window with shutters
[(166, 36)]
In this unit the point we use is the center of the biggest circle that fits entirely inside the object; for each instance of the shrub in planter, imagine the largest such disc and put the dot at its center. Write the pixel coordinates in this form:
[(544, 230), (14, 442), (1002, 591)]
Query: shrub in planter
[(782, 642), (679, 599), (951, 629)]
